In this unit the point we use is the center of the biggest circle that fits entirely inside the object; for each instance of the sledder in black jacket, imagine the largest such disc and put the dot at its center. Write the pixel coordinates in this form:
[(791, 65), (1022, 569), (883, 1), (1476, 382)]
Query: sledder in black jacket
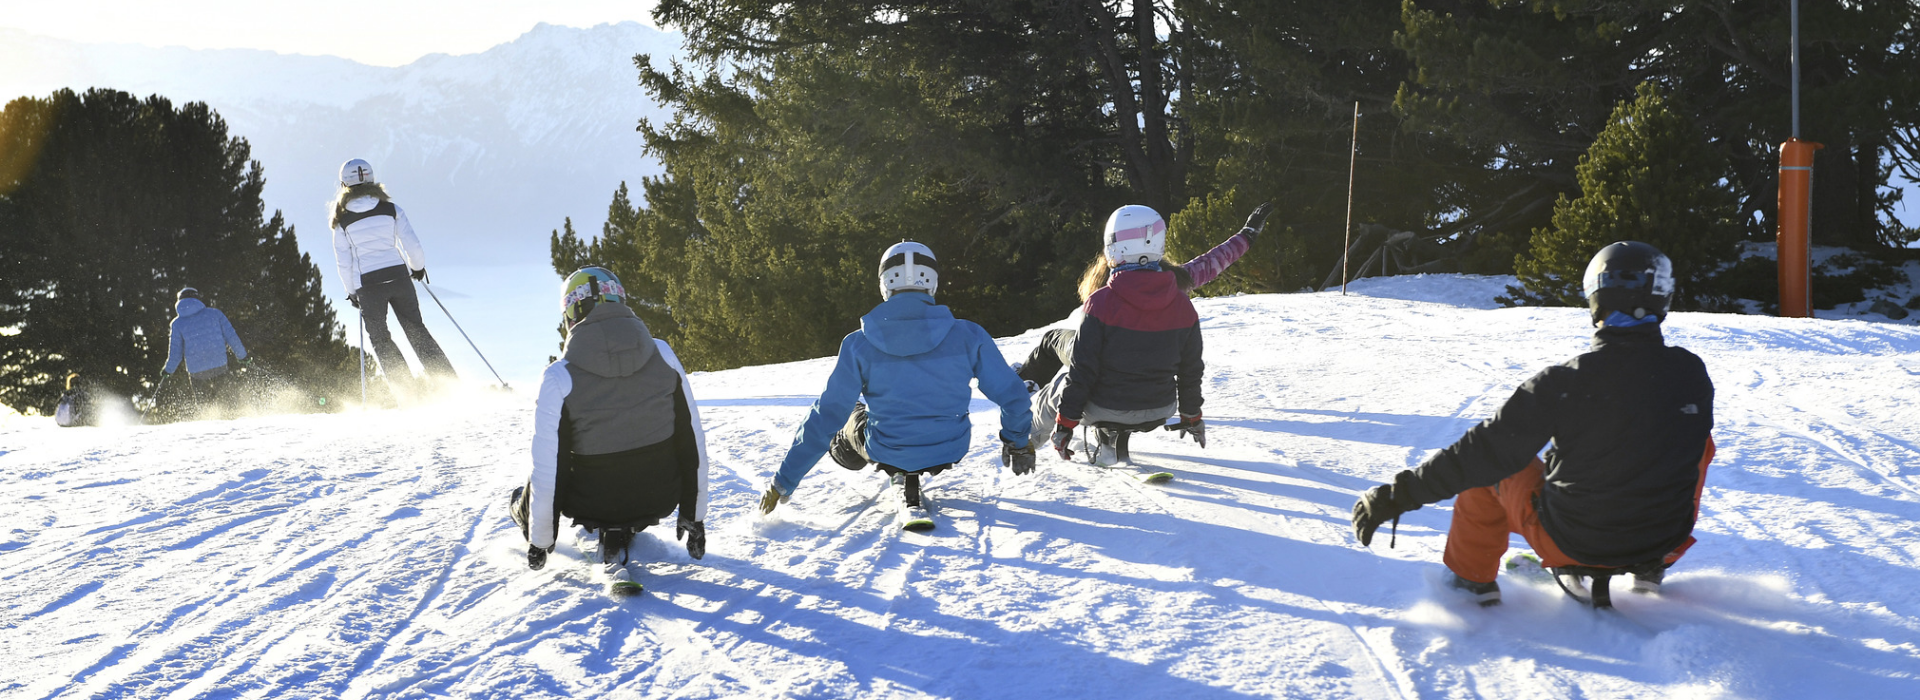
[(1626, 431), (1627, 422)]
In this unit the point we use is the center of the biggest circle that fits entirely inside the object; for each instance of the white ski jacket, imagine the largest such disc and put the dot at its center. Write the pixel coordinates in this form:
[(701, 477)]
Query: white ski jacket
[(556, 385), (369, 238)]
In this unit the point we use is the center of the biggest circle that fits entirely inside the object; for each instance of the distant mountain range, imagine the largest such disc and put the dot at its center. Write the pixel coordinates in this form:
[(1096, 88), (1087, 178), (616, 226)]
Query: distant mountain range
[(487, 152)]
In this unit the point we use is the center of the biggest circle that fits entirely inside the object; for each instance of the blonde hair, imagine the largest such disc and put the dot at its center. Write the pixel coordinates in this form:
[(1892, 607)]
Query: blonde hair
[(1101, 269), (352, 192)]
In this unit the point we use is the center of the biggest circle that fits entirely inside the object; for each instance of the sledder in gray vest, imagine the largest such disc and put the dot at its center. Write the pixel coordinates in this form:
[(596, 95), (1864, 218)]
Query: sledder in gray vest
[(617, 443)]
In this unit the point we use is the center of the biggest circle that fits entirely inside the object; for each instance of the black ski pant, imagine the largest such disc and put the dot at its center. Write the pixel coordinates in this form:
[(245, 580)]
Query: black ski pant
[(1054, 352), (392, 286), (849, 447)]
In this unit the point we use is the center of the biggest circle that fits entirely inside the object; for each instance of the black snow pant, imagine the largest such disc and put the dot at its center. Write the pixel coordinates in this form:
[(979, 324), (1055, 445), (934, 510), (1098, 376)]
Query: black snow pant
[(1054, 352), (849, 447), (392, 286)]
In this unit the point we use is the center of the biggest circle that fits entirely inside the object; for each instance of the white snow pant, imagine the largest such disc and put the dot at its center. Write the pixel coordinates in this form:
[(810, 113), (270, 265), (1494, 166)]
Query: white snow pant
[(1046, 406)]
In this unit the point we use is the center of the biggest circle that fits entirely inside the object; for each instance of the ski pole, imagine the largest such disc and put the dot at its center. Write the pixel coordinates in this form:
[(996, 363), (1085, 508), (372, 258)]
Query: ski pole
[(463, 334), (156, 398), (363, 357)]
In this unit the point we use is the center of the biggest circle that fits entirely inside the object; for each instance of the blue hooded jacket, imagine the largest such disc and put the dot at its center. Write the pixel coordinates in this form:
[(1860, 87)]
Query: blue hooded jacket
[(200, 336), (915, 364)]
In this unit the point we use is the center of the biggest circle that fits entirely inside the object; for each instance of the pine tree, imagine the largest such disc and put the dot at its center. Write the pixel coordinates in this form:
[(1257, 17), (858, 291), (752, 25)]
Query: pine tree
[(1652, 177)]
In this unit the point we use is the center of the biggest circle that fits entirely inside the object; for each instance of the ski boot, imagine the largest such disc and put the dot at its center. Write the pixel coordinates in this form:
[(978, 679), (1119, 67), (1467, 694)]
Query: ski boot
[(1486, 594), (614, 546), (913, 512), (1106, 449), (1646, 579)]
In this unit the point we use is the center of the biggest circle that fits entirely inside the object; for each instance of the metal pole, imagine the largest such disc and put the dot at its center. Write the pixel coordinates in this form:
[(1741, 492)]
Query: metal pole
[(363, 357), (463, 334), (1794, 20), (1353, 161)]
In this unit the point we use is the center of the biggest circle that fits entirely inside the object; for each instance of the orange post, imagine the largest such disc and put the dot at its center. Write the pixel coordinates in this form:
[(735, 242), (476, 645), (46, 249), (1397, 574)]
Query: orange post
[(1796, 220)]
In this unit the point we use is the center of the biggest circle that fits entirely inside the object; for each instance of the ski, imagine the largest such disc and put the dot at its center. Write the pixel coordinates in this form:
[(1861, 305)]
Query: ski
[(623, 585), (1526, 565), (1153, 477), (915, 519)]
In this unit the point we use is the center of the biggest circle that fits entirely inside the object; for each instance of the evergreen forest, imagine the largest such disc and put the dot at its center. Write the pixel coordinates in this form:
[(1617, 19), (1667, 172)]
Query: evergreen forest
[(1494, 136)]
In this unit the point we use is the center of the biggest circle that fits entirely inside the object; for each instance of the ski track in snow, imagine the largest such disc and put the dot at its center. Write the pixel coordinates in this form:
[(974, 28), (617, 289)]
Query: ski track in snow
[(369, 555)]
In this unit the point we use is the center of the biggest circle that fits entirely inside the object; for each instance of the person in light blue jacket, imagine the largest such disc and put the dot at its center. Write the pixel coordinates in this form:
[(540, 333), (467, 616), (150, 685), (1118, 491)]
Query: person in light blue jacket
[(914, 364), (199, 338)]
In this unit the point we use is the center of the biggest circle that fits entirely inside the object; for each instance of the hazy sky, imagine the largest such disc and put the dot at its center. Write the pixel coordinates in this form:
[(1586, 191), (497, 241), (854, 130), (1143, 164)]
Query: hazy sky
[(384, 33)]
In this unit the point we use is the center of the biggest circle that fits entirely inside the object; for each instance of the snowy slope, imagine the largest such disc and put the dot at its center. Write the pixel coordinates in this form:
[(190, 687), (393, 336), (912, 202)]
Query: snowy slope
[(370, 555)]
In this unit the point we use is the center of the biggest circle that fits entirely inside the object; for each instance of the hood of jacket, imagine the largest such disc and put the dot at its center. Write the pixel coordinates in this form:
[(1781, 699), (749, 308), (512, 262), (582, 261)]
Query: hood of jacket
[(611, 342), (1150, 290), (908, 324), (187, 307)]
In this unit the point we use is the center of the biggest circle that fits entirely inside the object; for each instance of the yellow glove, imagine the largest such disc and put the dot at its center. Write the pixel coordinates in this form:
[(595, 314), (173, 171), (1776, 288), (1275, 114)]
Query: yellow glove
[(772, 499)]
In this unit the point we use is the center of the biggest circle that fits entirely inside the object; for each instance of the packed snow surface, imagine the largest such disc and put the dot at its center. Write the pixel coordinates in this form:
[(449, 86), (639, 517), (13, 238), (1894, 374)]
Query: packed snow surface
[(370, 554)]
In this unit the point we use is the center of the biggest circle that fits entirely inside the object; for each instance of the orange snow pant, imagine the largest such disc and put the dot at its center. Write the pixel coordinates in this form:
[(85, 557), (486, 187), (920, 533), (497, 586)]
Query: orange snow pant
[(1483, 517)]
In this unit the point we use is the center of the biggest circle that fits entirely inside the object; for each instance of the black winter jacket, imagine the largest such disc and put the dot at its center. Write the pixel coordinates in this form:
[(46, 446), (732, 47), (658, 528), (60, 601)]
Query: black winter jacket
[(1138, 348), (1628, 421)]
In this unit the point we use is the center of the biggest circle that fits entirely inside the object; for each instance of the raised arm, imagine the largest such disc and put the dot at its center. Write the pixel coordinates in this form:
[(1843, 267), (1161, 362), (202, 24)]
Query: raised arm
[(1210, 264)]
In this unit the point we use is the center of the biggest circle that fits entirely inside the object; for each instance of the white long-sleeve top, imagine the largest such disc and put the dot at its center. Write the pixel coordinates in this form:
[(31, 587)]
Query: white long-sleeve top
[(555, 384), (373, 243)]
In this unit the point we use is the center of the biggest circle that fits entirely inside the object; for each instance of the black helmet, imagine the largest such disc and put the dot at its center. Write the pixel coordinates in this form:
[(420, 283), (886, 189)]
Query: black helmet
[(187, 293), (1629, 278)]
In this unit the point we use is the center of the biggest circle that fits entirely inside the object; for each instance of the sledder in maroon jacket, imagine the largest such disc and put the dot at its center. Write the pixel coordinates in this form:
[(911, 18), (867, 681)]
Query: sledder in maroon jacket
[(1138, 348), (1135, 359)]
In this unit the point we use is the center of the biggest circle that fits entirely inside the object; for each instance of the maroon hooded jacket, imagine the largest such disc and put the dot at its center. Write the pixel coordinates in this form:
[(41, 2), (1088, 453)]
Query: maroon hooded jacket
[(1138, 348)]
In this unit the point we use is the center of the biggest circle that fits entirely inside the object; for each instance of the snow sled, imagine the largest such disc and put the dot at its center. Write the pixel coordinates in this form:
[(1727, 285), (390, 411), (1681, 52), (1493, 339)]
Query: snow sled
[(1591, 585)]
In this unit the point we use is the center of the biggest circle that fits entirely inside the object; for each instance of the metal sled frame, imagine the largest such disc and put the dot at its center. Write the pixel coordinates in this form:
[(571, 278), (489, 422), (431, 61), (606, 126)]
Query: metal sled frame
[(1123, 431)]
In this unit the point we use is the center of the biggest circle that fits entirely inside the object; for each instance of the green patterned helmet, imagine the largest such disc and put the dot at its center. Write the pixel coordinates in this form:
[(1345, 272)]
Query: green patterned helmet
[(586, 288)]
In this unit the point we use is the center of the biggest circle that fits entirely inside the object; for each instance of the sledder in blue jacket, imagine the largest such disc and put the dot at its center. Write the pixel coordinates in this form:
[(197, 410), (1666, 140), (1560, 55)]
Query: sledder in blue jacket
[(914, 364)]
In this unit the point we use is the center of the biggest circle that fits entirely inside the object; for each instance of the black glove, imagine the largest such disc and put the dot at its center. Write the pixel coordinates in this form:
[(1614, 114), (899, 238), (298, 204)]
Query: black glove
[(536, 557), (1019, 459), (1257, 221), (1062, 434), (1379, 505), (772, 499), (1191, 426), (354, 299), (420, 275), (695, 532)]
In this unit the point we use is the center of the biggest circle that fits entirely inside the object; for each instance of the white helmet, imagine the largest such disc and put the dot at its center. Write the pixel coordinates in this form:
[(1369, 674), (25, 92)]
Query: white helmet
[(355, 172), (908, 266), (1135, 234)]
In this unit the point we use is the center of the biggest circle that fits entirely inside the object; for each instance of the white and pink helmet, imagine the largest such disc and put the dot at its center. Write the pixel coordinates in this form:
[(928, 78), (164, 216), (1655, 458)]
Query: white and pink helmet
[(1135, 235)]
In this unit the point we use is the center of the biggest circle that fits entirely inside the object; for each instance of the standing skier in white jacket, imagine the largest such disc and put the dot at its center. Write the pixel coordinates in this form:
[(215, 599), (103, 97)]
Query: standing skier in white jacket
[(376, 251)]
